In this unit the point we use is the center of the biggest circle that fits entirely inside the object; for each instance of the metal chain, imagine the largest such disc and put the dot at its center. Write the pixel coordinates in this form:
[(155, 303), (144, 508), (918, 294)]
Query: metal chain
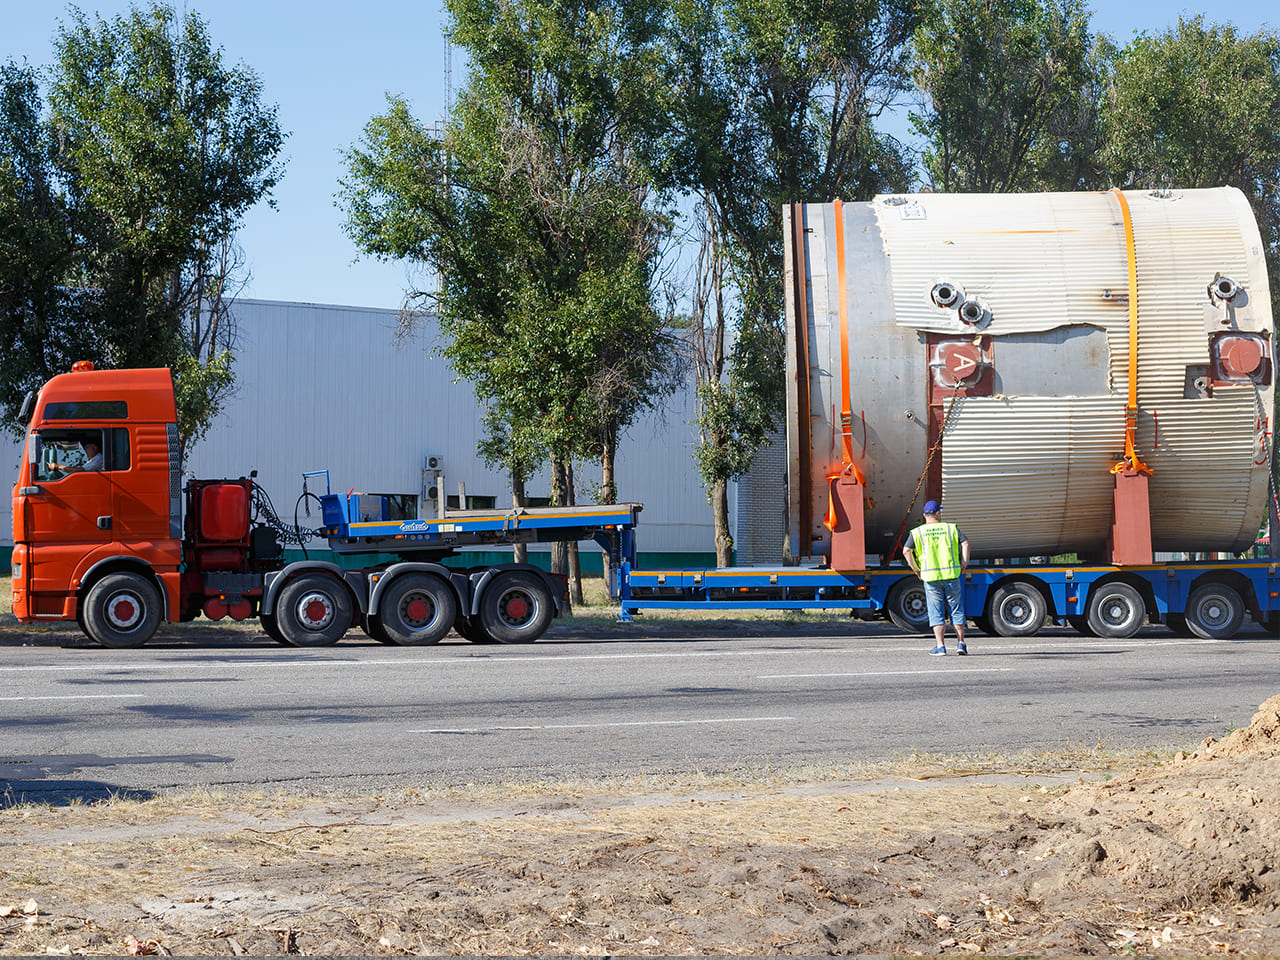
[(948, 420)]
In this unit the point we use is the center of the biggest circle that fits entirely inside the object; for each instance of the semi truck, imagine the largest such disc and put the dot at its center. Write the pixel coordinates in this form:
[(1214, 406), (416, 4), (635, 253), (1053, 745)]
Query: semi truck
[(121, 545)]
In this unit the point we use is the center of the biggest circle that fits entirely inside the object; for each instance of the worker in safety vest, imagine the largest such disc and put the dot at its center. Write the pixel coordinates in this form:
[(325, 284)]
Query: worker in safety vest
[(938, 552)]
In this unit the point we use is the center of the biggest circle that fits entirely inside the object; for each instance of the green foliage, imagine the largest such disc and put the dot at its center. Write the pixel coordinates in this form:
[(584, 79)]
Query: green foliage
[(42, 319), (199, 389), (150, 155), (775, 103), (1010, 94), (534, 209)]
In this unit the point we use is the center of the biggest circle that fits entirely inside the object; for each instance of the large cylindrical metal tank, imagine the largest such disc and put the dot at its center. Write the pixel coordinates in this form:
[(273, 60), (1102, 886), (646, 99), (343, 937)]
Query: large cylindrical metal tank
[(994, 332)]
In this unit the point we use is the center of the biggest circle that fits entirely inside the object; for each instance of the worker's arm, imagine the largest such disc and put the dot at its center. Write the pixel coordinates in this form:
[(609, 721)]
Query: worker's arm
[(964, 554), (910, 556)]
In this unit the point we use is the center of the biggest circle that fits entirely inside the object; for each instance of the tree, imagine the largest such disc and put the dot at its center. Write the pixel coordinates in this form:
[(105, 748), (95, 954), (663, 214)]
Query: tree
[(162, 149), (775, 103), (535, 212), (44, 320), (1010, 92)]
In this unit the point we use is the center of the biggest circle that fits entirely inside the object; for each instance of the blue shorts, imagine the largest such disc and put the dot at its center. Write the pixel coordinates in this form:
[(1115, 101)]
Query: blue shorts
[(944, 595)]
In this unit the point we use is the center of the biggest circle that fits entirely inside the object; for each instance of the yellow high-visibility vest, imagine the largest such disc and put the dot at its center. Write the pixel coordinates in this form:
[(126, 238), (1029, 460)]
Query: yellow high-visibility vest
[(937, 549)]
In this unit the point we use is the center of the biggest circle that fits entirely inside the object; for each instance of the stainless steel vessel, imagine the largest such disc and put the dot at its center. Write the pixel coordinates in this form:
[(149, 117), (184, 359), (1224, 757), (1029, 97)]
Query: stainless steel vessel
[(982, 356)]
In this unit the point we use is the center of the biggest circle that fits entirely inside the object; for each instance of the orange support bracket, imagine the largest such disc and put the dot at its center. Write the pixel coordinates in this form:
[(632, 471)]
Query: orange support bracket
[(846, 519), (1130, 539)]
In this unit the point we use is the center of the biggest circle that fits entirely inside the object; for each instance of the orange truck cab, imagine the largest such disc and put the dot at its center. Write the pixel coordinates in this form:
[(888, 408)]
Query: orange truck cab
[(97, 508)]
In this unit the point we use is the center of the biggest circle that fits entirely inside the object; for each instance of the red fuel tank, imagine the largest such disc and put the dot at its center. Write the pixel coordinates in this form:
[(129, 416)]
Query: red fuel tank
[(224, 512)]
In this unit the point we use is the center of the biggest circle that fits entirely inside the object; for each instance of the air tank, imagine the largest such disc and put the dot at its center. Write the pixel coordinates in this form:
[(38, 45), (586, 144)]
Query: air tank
[(1005, 353)]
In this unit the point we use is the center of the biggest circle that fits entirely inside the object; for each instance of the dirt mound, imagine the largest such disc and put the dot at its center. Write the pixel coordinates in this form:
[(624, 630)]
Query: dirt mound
[(1260, 738), (1178, 859)]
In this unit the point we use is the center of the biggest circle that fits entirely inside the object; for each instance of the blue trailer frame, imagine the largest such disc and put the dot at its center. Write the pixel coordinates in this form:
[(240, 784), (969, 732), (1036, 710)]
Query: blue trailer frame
[(1210, 599)]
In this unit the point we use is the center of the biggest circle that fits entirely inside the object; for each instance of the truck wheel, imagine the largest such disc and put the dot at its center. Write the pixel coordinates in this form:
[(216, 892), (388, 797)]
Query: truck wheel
[(1017, 610), (469, 629), (313, 611), (272, 629), (373, 629), (1116, 611), (417, 609), (907, 607), (515, 608), (1214, 611), (122, 610)]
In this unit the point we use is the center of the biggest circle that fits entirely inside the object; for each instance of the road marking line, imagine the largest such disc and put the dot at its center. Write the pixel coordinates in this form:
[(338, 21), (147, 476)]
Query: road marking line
[(83, 696), (886, 673), (596, 726)]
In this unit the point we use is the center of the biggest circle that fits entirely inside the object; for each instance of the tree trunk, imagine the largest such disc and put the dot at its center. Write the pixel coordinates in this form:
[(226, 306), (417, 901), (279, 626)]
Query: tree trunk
[(575, 564), (608, 494), (720, 511), (559, 551), (521, 551)]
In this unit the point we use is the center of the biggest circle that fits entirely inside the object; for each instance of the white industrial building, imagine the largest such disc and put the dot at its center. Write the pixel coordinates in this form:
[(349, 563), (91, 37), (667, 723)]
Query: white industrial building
[(332, 388)]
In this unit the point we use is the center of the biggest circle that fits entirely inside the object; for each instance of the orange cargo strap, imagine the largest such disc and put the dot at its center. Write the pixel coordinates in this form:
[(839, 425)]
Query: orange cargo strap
[(1131, 463), (846, 413)]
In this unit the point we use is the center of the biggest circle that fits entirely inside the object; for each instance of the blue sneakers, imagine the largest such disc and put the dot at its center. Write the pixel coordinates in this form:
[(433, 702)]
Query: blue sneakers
[(938, 652), (962, 650)]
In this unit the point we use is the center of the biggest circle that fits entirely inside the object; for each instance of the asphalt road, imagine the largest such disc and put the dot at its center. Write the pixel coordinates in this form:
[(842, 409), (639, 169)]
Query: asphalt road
[(83, 721)]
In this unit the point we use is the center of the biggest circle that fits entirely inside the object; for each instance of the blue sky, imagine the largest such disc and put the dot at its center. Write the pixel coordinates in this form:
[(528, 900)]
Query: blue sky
[(329, 66)]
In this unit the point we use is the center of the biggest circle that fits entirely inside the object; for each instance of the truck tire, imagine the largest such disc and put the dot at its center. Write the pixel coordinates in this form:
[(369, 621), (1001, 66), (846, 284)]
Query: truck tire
[(1214, 611), (906, 606), (313, 611), (372, 627), (417, 609), (515, 607), (272, 629), (122, 610), (1080, 624), (469, 629), (1017, 610), (1116, 611)]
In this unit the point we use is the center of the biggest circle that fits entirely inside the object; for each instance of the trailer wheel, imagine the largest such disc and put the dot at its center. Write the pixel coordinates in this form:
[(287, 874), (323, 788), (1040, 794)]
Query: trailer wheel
[(417, 609), (1017, 610), (1214, 611), (122, 610), (907, 607), (1080, 624), (1116, 611), (313, 611), (515, 608), (272, 629)]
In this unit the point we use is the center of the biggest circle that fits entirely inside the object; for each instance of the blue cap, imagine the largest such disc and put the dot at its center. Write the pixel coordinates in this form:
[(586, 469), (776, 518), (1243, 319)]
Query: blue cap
[(933, 506)]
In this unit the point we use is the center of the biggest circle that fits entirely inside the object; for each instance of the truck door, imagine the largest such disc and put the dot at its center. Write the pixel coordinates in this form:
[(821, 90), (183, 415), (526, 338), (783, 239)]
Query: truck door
[(69, 513)]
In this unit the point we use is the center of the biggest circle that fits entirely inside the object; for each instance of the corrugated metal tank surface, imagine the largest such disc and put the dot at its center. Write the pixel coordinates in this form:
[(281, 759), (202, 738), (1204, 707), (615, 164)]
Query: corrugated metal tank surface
[(327, 387), (1032, 428)]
